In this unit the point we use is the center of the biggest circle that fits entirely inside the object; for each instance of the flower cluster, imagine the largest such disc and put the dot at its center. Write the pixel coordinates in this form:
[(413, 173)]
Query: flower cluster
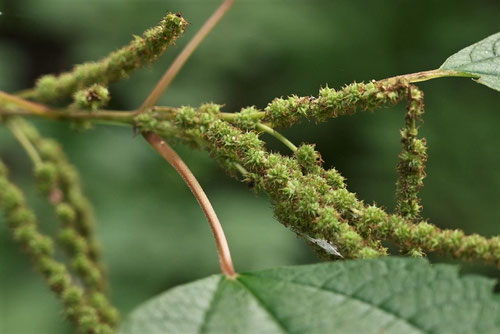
[(314, 201), (40, 248), (309, 199), (118, 65), (58, 180), (412, 159)]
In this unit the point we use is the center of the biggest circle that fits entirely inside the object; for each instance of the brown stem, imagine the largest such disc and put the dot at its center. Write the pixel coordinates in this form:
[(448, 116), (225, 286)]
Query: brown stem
[(181, 59), (171, 156), (226, 263), (32, 106)]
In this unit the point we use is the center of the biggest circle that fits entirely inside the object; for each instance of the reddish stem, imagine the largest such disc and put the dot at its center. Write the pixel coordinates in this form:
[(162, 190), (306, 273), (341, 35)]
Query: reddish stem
[(226, 263), (181, 59)]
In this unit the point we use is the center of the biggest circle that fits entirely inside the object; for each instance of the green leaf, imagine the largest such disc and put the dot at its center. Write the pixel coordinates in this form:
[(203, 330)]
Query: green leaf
[(481, 59), (390, 295)]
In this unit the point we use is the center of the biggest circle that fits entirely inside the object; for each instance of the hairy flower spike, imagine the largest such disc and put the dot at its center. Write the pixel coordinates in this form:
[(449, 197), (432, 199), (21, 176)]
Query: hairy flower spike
[(295, 204), (58, 180), (302, 191), (333, 103), (40, 248), (412, 159), (139, 52)]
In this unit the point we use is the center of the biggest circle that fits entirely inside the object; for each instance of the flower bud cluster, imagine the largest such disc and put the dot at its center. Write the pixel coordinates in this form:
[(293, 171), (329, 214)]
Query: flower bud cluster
[(118, 65), (412, 159), (331, 103), (58, 180), (92, 98), (40, 248), (315, 201)]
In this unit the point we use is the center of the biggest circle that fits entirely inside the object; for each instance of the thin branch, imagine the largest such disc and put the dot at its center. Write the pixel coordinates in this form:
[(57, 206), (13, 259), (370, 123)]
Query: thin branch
[(240, 169), (35, 108), (121, 117), (24, 141), (277, 135), (169, 154), (113, 117), (181, 59), (433, 74), (16, 106), (232, 117)]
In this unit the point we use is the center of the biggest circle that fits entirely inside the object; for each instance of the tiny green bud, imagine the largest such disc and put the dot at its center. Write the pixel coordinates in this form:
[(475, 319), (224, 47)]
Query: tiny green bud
[(245, 118), (20, 216), (92, 98), (42, 245), (46, 175), (185, 117), (65, 212), (59, 282), (49, 150), (10, 197), (416, 252), (25, 233), (368, 253), (72, 296), (307, 157)]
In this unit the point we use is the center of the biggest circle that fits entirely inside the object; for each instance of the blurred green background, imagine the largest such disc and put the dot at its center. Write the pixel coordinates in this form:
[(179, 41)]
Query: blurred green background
[(153, 233)]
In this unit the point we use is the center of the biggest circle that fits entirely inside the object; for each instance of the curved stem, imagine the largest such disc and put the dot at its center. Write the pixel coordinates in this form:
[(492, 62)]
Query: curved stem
[(24, 141), (277, 135), (181, 59), (240, 168), (226, 263), (171, 156)]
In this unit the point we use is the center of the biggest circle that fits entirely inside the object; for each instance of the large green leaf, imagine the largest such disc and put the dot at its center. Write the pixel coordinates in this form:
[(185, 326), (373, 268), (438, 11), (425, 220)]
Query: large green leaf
[(391, 295), (481, 59)]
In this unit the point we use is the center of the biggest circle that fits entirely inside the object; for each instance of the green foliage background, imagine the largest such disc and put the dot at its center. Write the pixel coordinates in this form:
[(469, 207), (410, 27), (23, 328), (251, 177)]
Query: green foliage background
[(153, 232)]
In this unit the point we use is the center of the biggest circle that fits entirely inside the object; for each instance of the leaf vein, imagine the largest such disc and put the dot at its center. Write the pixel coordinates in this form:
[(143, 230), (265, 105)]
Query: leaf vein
[(382, 308), (273, 316)]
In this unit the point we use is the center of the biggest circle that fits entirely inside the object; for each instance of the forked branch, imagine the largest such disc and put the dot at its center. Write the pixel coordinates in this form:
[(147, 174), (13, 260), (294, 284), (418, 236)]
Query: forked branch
[(181, 59), (161, 146)]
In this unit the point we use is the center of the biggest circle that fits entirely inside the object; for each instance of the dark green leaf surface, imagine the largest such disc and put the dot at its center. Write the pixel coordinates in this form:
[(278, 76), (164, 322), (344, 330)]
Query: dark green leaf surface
[(391, 295), (481, 59)]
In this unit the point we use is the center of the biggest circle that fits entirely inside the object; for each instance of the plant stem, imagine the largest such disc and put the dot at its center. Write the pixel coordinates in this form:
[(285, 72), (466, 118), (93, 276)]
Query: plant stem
[(24, 141), (433, 74), (171, 156), (122, 117), (240, 169), (27, 108), (181, 59), (277, 135), (226, 263), (114, 117), (231, 117), (35, 108)]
